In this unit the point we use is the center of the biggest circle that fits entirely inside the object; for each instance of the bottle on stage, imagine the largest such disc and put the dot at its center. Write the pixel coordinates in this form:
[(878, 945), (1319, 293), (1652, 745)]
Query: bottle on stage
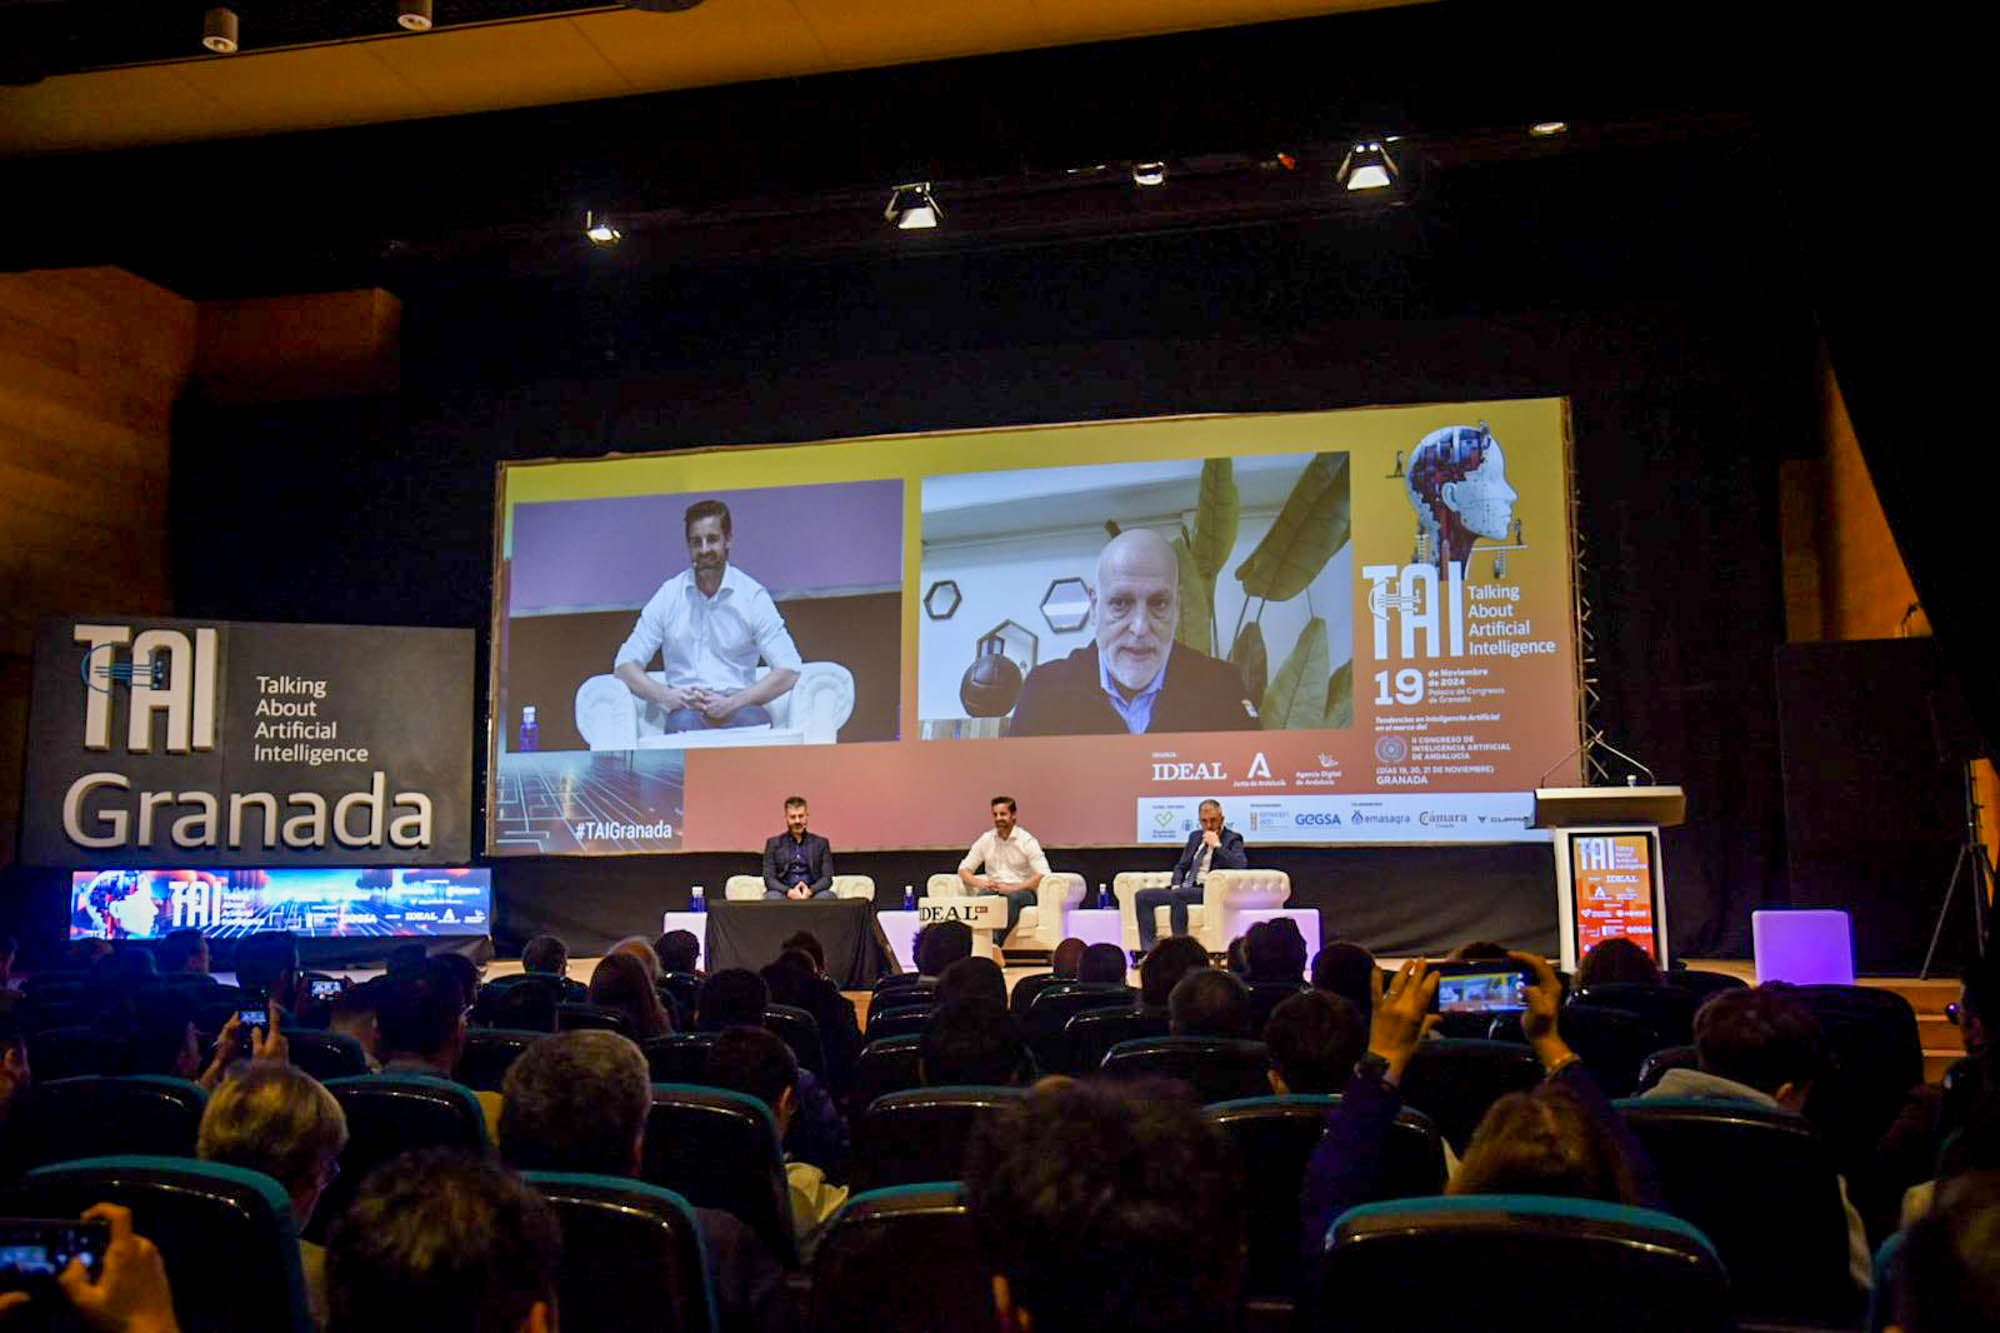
[(531, 731), (696, 903), (909, 897), (1103, 895)]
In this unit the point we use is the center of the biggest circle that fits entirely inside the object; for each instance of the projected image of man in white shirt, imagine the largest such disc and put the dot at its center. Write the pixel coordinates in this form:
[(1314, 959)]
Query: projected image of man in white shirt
[(711, 624)]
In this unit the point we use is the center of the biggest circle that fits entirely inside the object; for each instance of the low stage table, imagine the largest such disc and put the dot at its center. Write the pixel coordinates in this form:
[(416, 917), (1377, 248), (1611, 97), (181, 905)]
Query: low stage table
[(752, 935)]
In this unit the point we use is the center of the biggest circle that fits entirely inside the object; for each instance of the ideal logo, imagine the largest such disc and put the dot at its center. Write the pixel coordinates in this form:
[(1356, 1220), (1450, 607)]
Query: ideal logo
[(1260, 767), (1190, 772), (164, 672)]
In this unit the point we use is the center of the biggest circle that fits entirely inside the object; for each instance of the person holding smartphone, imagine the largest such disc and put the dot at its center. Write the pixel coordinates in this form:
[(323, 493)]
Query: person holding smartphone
[(128, 1292)]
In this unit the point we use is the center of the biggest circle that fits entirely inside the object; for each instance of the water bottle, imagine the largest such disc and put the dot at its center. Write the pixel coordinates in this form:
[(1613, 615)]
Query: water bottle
[(531, 731), (909, 897), (696, 903), (1103, 896)]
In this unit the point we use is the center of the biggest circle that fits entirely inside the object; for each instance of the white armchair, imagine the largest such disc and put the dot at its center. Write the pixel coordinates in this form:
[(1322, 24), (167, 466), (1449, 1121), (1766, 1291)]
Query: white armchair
[(1225, 893), (1042, 924), (750, 888), (610, 717)]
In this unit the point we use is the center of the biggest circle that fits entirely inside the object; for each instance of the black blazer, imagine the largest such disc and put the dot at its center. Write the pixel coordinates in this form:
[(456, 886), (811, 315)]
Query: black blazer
[(819, 857), (1064, 697), (1229, 856)]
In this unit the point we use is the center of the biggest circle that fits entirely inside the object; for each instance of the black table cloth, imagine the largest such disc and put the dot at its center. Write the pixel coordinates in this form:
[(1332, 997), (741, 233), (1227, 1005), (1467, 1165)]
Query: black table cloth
[(752, 935)]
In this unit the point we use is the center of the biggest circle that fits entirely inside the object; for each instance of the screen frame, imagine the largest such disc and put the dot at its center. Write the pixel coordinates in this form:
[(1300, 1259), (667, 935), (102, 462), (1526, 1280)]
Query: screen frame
[(1569, 926)]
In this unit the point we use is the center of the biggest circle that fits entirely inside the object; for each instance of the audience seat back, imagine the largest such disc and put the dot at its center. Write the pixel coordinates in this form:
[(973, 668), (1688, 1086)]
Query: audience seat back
[(904, 1022), (1702, 984), (915, 1241), (679, 1057), (1521, 1263), (73, 1118), (907, 1138), (70, 1052), (684, 990), (801, 1032), (1057, 1004), (226, 1234), (1453, 1082), (391, 1114), (1874, 1056), (1275, 1138), (527, 1005), (885, 1066), (1268, 995), (326, 1055), (1614, 1045), (632, 1255), (1219, 1069), (902, 981), (1669, 1009), (719, 1149), (1763, 1186), (1654, 1067), (573, 1017), (1090, 1035), (489, 1053)]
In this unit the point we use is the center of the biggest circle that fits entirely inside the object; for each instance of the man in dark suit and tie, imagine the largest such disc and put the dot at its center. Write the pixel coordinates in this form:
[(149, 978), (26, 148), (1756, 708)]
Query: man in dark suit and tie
[(1210, 847), (797, 864)]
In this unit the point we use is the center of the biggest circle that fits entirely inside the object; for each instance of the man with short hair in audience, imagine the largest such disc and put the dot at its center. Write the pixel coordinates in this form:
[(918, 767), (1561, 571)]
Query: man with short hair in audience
[(578, 1101), (1346, 969), (1107, 1207), (679, 951), (1762, 1046), (1275, 951), (267, 965), (756, 1062), (1314, 1039), (970, 977), (421, 1019), (1164, 967), (352, 1013), (941, 944), (737, 997), (183, 950), (275, 1119), (971, 1040), (444, 1240), (545, 955), (1209, 1002), (1062, 967), (1102, 965), (406, 957)]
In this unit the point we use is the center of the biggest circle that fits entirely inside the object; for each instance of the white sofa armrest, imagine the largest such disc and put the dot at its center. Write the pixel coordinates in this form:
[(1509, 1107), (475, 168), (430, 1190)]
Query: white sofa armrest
[(743, 888), (854, 886), (1227, 892), (1124, 885), (607, 716), (819, 704)]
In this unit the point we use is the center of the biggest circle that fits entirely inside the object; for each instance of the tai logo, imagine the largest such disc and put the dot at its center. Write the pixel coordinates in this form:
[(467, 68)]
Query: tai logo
[(1260, 767), (164, 671)]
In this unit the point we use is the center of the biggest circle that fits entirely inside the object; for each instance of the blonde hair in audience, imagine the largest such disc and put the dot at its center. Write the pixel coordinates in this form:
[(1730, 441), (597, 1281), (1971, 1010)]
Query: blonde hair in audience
[(275, 1119)]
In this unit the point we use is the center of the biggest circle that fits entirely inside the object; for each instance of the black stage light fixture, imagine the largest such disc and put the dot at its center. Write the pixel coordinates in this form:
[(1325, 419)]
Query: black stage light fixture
[(913, 207), (416, 15), (219, 31)]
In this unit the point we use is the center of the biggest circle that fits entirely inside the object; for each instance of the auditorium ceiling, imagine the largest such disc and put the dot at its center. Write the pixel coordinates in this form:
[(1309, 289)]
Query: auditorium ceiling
[(101, 74)]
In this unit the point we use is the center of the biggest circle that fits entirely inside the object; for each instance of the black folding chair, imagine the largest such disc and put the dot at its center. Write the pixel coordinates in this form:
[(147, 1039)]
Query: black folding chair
[(868, 1249), (632, 1255), (719, 1149), (1218, 1069), (907, 1138)]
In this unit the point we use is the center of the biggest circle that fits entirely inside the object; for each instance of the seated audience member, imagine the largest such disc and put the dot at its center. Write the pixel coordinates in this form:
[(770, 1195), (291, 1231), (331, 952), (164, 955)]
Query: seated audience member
[(406, 957), (1563, 1138), (1970, 1089), (464, 970), (737, 997), (679, 951), (1062, 967), (1617, 961), (942, 944), (443, 1240), (1947, 1277), (1106, 1206), (420, 1018), (1478, 951), (1209, 1002), (353, 1013), (1275, 951), (545, 955), (577, 1101), (1762, 1046), (809, 988), (970, 977), (1314, 1039), (183, 951), (621, 982), (808, 943), (1102, 965), (642, 951), (267, 965), (1349, 971), (1176, 956), (82, 955), (131, 1293), (972, 1040), (15, 1076), (275, 1119), (753, 1061), (159, 1037), (1239, 957)]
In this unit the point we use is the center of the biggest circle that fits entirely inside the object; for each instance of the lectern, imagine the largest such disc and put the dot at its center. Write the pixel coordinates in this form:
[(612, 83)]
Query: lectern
[(1609, 876)]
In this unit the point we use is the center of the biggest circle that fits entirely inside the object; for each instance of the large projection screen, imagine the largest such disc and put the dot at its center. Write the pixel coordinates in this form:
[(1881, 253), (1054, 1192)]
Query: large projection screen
[(1346, 626)]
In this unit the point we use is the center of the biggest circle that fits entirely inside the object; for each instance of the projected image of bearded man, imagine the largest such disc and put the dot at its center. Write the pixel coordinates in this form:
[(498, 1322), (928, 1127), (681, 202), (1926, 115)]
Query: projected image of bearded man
[(711, 624), (1134, 679)]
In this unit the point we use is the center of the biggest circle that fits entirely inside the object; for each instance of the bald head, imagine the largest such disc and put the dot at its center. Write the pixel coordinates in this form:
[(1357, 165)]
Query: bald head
[(1137, 606)]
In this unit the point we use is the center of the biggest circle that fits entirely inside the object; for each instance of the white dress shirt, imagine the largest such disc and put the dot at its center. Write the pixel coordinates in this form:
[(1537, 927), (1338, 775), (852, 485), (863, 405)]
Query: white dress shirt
[(1010, 860), (714, 641)]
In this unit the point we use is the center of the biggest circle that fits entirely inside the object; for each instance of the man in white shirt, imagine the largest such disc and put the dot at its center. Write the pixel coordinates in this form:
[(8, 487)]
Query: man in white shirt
[(1006, 860), (711, 624)]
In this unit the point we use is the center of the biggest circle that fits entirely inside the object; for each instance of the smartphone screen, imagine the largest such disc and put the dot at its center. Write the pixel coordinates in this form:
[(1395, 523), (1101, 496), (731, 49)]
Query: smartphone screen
[(327, 990), (255, 1018), (1499, 990), (34, 1250)]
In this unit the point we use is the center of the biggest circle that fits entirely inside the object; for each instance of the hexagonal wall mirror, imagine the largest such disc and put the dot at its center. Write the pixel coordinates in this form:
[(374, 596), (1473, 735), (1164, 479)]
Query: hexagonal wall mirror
[(941, 602), (1066, 605)]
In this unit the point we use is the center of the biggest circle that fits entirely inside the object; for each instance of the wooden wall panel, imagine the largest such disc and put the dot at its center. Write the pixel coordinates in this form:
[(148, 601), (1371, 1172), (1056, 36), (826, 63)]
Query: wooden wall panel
[(286, 348), (91, 364)]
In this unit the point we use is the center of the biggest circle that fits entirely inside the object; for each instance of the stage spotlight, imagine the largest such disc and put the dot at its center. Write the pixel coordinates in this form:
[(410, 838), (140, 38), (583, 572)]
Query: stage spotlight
[(1149, 173), (1548, 129), (219, 31), (416, 15), (1367, 166), (912, 207), (600, 231)]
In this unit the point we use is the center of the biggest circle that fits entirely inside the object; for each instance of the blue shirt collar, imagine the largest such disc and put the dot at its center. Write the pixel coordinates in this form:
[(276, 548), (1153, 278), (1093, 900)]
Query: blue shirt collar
[(1137, 712)]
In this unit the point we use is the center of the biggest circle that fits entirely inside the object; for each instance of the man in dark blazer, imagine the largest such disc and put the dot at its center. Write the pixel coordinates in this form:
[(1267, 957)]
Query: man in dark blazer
[(797, 864), (1134, 679), (1210, 847)]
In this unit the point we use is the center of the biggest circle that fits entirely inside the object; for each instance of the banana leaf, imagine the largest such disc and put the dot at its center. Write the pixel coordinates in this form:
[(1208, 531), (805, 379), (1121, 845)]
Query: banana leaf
[(1296, 700), (1252, 659), (1197, 595), (1310, 528), (1215, 517), (1340, 696)]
